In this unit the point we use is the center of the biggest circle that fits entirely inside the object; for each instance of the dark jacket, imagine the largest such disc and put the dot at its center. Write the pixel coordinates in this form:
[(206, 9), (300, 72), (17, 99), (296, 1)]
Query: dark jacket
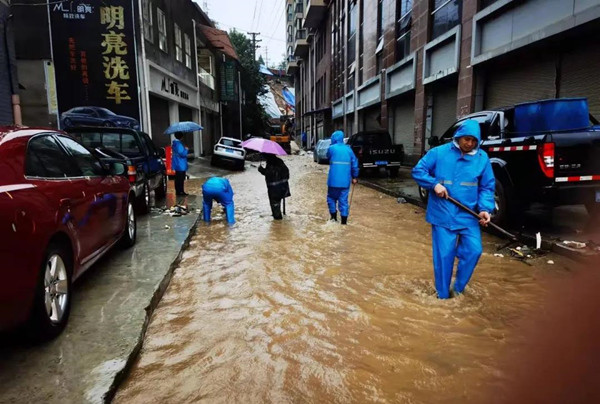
[(276, 175)]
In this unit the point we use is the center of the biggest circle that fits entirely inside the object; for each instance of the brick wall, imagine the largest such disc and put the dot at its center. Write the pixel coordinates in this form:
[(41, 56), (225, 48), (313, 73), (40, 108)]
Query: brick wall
[(466, 79), (419, 37)]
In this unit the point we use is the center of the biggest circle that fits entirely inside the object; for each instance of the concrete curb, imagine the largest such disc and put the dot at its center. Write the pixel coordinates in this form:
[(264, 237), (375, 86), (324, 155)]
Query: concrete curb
[(552, 246), (154, 300)]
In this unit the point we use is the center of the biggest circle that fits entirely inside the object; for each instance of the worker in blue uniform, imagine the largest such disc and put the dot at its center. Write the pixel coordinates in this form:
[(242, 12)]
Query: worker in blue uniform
[(343, 170), (179, 163), (218, 189), (462, 170)]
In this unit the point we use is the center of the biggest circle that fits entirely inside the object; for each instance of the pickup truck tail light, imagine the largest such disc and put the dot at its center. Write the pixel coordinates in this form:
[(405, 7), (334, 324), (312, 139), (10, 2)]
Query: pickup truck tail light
[(131, 173), (546, 159)]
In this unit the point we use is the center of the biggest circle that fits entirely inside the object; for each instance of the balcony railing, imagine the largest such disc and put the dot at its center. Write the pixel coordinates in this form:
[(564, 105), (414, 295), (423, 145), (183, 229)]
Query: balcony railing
[(300, 34), (206, 78)]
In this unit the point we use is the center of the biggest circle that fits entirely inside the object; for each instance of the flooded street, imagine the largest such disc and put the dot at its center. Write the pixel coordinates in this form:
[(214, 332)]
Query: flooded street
[(306, 310)]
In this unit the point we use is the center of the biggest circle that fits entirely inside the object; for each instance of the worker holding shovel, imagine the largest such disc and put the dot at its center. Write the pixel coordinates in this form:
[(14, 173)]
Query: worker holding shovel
[(461, 170), (343, 170)]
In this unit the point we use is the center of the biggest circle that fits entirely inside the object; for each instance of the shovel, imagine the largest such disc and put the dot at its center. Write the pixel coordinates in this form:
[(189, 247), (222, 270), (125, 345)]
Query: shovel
[(511, 236)]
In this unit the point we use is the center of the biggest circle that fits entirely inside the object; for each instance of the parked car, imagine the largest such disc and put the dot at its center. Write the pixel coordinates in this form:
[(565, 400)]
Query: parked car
[(320, 151), (230, 151), (61, 209), (96, 116), (146, 168), (543, 151), (375, 150)]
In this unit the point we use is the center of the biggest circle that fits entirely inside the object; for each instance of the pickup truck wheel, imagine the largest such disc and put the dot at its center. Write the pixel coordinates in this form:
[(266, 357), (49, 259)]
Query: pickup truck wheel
[(423, 195), (144, 200), (161, 191), (52, 301), (505, 205)]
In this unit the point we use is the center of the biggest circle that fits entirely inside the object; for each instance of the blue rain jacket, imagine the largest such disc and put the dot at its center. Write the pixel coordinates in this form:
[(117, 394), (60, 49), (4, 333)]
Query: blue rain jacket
[(218, 189), (343, 164), (469, 178), (179, 156)]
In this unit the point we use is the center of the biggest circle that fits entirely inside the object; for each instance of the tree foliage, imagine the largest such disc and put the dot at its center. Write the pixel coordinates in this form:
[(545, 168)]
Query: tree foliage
[(254, 116)]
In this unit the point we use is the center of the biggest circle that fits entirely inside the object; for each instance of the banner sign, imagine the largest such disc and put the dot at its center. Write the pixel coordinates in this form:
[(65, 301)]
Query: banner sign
[(228, 92), (93, 46)]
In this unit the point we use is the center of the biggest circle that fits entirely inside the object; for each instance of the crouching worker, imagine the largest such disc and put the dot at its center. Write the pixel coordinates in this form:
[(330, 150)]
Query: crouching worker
[(276, 175), (343, 170), (218, 189), (461, 170)]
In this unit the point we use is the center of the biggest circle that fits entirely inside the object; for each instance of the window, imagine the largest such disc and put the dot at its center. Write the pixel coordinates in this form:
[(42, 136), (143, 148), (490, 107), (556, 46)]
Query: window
[(162, 30), (351, 57), (46, 159), (403, 25), (147, 16), (188, 51), (88, 165), (361, 47), (178, 46), (446, 15), (486, 3)]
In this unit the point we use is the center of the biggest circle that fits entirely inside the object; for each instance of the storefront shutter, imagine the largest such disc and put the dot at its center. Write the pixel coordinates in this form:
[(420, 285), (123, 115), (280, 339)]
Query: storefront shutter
[(580, 76), (402, 124), (443, 109), (520, 83)]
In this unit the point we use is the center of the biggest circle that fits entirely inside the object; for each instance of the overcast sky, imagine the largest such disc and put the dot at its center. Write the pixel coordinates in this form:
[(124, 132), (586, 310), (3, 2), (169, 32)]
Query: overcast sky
[(264, 16)]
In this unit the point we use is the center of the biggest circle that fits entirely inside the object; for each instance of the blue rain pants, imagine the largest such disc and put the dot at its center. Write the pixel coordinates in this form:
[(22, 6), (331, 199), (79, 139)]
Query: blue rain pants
[(225, 199), (464, 244), (339, 196)]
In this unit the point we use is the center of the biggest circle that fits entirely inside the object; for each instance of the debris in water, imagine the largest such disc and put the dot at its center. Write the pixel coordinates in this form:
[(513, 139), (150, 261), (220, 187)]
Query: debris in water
[(538, 240), (499, 255), (516, 252), (550, 262), (401, 200), (574, 244), (167, 226)]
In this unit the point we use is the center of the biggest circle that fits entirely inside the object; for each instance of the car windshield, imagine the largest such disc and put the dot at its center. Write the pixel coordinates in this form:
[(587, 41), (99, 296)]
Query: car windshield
[(230, 142), (105, 112)]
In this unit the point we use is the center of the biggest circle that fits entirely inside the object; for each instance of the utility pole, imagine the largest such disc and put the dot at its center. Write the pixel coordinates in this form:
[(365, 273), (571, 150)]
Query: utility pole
[(267, 56), (254, 43)]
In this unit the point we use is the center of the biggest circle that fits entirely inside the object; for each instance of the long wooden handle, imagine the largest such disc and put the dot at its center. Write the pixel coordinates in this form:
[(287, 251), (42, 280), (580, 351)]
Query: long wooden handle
[(473, 213)]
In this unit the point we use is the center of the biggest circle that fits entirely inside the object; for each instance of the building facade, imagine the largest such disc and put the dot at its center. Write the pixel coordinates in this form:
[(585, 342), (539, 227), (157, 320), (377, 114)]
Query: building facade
[(9, 99), (414, 66), (180, 64)]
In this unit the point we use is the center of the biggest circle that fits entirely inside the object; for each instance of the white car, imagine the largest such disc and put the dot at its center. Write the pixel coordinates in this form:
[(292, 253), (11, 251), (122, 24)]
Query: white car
[(229, 150)]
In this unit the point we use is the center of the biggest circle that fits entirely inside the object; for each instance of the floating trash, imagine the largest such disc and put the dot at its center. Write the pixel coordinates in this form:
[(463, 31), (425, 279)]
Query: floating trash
[(401, 200), (574, 244)]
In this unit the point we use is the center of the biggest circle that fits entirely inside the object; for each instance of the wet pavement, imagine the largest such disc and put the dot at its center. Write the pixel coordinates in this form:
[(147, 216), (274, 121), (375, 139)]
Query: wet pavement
[(107, 319), (306, 310)]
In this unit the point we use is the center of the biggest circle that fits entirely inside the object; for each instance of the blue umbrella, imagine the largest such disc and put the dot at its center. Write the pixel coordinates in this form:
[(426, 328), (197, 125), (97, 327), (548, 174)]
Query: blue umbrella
[(186, 126)]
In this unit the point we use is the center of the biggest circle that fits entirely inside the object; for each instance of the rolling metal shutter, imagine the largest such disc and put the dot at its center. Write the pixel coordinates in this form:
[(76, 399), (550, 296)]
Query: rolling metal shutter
[(443, 108), (580, 76), (402, 124), (521, 83)]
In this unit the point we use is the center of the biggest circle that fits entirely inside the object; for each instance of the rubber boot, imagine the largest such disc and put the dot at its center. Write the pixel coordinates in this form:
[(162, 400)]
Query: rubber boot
[(334, 216), (344, 219)]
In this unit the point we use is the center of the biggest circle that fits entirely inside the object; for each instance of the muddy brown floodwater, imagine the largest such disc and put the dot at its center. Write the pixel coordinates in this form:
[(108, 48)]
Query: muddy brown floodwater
[(305, 310)]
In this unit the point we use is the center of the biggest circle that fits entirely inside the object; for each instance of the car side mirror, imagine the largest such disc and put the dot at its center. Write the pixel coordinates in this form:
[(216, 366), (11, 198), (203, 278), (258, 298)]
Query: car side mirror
[(161, 153), (118, 169), (433, 141)]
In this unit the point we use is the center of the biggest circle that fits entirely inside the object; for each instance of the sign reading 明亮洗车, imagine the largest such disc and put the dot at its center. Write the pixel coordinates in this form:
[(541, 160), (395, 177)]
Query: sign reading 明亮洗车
[(95, 61)]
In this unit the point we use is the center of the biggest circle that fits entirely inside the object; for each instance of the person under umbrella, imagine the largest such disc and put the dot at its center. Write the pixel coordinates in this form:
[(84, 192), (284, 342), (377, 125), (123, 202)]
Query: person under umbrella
[(276, 176), (179, 163)]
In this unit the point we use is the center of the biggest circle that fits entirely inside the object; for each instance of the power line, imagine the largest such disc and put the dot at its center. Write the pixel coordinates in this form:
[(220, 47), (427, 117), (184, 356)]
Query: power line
[(248, 31)]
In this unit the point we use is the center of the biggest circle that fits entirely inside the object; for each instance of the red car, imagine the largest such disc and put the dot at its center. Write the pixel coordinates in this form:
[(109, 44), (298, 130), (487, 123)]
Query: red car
[(61, 209)]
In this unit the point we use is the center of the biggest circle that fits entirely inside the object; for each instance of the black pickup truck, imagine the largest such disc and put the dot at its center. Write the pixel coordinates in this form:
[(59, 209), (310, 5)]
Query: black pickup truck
[(374, 150), (146, 169), (544, 151)]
